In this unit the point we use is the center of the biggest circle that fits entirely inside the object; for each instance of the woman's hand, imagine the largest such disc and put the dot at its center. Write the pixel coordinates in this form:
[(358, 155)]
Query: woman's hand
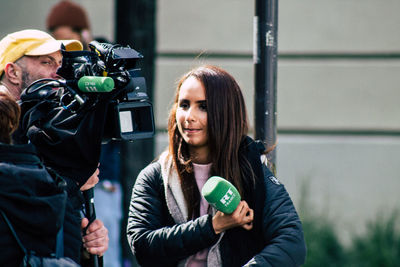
[(243, 216)]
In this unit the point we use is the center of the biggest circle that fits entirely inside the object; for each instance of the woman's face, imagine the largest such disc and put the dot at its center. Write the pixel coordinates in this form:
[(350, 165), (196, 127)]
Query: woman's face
[(191, 116)]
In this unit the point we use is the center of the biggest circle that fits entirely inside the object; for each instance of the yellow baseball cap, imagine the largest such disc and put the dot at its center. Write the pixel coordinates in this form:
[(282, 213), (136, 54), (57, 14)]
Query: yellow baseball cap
[(31, 43)]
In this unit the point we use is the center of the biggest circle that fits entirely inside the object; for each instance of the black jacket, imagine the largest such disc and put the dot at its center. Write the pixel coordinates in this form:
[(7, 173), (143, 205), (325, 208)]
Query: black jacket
[(276, 239), (36, 204)]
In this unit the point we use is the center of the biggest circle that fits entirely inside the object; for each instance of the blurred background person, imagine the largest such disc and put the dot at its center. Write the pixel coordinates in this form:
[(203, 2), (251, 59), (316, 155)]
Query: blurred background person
[(69, 20)]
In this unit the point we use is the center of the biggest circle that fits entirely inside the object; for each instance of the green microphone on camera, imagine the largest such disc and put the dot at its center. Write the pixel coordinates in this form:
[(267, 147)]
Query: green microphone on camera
[(221, 194), (95, 84)]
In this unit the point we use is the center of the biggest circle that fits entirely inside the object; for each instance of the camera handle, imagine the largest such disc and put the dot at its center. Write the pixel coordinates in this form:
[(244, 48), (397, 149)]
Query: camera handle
[(90, 214)]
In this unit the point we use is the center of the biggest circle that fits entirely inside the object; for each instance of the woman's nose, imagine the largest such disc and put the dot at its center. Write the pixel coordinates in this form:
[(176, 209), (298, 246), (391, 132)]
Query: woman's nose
[(190, 116)]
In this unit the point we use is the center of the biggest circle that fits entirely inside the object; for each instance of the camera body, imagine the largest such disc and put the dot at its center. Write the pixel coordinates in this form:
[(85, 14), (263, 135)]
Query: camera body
[(130, 113)]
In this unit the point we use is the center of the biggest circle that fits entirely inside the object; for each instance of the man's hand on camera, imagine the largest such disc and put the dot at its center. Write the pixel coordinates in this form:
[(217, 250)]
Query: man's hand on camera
[(92, 181), (95, 240)]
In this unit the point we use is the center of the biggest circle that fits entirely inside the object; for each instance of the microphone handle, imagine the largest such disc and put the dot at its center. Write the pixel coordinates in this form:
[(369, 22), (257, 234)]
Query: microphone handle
[(90, 213)]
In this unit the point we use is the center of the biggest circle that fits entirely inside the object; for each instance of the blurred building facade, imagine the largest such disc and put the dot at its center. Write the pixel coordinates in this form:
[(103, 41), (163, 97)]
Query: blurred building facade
[(338, 88)]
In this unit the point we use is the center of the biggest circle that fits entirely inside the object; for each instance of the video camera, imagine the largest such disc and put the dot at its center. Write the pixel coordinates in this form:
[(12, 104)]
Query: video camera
[(101, 96), (130, 113)]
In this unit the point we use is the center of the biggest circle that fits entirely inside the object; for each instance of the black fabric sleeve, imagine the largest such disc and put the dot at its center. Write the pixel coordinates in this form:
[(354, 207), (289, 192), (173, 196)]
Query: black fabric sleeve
[(283, 233), (153, 236)]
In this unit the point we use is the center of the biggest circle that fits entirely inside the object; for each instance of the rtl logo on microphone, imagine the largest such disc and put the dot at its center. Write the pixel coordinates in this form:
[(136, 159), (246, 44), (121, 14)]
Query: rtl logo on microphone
[(227, 198)]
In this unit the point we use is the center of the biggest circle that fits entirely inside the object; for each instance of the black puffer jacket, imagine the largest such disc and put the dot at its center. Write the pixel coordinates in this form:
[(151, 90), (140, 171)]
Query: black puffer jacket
[(156, 240), (35, 204)]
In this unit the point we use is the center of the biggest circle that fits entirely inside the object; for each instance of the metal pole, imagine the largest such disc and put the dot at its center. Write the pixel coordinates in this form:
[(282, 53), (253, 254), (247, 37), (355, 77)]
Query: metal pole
[(265, 68), (135, 26)]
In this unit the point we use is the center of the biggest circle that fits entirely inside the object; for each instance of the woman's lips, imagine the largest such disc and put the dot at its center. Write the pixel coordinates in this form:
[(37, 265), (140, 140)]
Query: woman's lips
[(189, 130)]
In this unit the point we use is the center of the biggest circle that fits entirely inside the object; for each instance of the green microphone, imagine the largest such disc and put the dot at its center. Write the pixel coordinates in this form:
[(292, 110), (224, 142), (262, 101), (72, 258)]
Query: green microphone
[(95, 84), (221, 194)]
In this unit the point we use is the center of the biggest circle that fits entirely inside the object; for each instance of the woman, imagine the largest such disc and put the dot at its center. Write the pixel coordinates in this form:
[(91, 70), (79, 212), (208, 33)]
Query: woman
[(171, 224)]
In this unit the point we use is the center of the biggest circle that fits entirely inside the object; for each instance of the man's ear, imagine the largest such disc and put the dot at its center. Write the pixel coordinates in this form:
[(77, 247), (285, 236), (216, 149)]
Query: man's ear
[(13, 73)]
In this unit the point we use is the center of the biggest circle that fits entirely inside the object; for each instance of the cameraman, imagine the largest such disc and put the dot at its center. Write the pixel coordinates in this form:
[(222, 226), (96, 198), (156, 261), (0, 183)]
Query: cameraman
[(29, 55)]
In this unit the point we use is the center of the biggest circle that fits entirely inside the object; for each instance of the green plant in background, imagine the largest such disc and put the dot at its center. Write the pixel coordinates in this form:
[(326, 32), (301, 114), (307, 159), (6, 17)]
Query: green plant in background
[(323, 245), (379, 246)]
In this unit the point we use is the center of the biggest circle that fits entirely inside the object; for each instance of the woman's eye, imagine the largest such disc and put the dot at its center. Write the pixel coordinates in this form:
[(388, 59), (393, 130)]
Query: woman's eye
[(203, 106), (184, 105)]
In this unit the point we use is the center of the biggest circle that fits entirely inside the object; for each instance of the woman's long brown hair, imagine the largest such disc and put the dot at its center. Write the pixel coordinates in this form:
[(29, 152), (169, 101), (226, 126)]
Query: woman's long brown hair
[(227, 127), (9, 117)]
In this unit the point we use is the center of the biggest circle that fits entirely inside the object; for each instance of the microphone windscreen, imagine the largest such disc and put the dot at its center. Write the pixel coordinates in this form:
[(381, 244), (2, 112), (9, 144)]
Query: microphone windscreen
[(95, 84), (221, 194)]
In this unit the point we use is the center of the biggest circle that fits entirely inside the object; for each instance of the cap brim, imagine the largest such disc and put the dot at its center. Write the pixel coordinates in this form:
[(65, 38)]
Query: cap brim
[(72, 45), (52, 46)]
